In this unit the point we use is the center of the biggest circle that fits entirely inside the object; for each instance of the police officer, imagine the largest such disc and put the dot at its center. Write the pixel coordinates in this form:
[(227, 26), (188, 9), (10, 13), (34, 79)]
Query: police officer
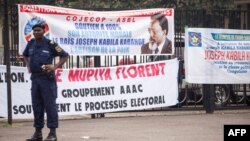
[(38, 55)]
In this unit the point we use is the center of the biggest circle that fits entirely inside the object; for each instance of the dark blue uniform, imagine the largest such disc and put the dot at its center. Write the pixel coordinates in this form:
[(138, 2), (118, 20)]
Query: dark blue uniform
[(44, 88)]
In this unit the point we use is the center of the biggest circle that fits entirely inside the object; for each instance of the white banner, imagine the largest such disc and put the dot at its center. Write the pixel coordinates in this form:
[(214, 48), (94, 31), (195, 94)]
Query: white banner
[(98, 90), (82, 32), (217, 56)]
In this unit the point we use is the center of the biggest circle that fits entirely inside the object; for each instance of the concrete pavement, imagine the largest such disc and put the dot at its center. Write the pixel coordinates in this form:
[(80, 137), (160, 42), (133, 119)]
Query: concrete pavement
[(135, 126)]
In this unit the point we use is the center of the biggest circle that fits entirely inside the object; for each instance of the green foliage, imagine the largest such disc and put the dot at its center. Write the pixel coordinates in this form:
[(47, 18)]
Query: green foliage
[(141, 4), (208, 4), (135, 4), (113, 4), (44, 2)]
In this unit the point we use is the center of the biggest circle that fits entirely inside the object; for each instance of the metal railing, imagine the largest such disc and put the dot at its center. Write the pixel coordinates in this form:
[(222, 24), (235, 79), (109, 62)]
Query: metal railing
[(190, 95)]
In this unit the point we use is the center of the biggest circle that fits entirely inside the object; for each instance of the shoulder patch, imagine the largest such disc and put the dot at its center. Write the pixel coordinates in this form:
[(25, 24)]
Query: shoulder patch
[(58, 48)]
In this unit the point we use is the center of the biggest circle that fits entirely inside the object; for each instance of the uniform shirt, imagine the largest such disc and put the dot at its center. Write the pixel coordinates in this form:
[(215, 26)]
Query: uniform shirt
[(42, 53)]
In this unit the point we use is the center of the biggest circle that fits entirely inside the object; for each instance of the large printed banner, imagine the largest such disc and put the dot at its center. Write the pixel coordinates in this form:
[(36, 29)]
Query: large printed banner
[(93, 32), (98, 90), (217, 56)]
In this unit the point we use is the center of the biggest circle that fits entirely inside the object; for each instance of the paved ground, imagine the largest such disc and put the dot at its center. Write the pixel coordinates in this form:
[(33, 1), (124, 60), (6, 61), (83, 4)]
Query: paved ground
[(146, 126)]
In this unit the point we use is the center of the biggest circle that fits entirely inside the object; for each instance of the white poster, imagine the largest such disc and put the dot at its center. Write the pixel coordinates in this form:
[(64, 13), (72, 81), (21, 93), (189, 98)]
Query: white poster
[(82, 32), (217, 56), (98, 90)]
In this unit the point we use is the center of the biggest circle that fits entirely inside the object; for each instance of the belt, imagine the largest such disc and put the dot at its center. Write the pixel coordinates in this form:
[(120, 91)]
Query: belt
[(49, 75), (38, 73)]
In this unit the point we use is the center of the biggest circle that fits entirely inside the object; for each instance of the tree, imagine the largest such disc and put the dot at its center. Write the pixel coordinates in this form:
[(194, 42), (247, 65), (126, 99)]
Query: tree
[(47, 2), (140, 4), (200, 4), (134, 4)]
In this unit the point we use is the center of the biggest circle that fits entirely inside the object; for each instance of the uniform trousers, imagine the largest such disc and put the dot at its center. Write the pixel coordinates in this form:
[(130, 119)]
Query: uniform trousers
[(44, 94)]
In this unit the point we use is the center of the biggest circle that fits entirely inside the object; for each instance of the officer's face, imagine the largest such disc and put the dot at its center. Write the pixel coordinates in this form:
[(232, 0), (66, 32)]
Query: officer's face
[(156, 33), (38, 32)]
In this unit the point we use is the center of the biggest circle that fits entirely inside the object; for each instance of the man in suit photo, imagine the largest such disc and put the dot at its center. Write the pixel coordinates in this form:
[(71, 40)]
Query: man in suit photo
[(158, 41)]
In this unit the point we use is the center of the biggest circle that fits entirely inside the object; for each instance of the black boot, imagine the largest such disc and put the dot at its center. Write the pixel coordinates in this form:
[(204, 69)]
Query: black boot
[(37, 136), (52, 135)]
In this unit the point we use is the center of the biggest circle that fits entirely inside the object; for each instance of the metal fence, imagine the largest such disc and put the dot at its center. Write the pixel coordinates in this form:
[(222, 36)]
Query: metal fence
[(191, 96)]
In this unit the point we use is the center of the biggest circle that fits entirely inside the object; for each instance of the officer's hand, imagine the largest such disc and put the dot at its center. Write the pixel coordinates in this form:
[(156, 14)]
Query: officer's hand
[(49, 67)]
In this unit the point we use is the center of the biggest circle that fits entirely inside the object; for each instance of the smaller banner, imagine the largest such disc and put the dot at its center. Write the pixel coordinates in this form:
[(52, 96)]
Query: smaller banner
[(98, 90), (217, 56)]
